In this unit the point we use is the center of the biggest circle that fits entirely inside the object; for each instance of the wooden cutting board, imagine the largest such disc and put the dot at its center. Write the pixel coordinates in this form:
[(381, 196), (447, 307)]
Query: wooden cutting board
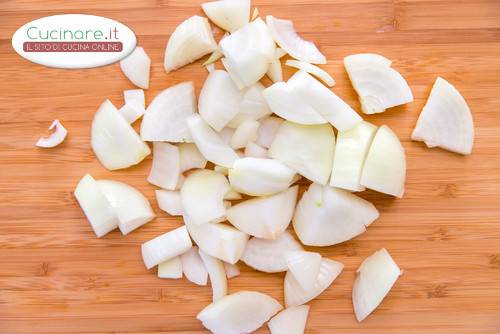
[(57, 277)]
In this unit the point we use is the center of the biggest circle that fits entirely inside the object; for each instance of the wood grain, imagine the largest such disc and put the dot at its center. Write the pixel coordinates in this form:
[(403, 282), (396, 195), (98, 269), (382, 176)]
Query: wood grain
[(56, 277)]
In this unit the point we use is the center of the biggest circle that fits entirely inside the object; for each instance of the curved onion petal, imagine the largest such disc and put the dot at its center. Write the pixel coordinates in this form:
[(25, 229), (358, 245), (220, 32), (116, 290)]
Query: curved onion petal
[(446, 120), (136, 67), (312, 69), (253, 106), (216, 55), (213, 148), (264, 217), (135, 96), (171, 268), (295, 295), (114, 141), (275, 71), (165, 169), (353, 60), (170, 202), (191, 40), (290, 321), (240, 312), (245, 133), (350, 153), (255, 151), (304, 267), (165, 247), (327, 216), (287, 38), (193, 267), (232, 270), (308, 149), (385, 165), (268, 255), (96, 207), (55, 137), (376, 276), (132, 111), (230, 15), (255, 14), (217, 274), (267, 131), (190, 157), (165, 118)]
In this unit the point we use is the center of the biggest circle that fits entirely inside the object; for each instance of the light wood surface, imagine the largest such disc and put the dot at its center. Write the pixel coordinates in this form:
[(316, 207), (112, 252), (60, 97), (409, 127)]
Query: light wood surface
[(57, 277)]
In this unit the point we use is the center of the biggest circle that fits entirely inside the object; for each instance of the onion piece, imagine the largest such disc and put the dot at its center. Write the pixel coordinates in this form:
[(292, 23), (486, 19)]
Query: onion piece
[(55, 138), (165, 169), (267, 131), (165, 247), (290, 321), (132, 111), (221, 170), (135, 96), (304, 266), (268, 255), (190, 157), (171, 268), (131, 207), (351, 149), (287, 38), (275, 72), (446, 120), (312, 69), (217, 274), (253, 150), (165, 118), (255, 14), (170, 202), (264, 217), (232, 195), (295, 295), (260, 177), (232, 270), (230, 15), (210, 144), (136, 67), (253, 106), (245, 133), (308, 149), (191, 40), (114, 141), (375, 278), (280, 53), (96, 207), (240, 312), (353, 60), (216, 55), (210, 68), (193, 267), (385, 165)]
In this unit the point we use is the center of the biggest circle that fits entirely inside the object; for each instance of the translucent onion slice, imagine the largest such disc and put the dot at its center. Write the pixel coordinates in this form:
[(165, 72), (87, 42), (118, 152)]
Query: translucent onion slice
[(96, 207), (232, 270), (191, 40), (165, 247), (202, 196), (240, 312), (190, 157), (217, 274), (170, 202), (354, 60), (253, 106), (268, 255), (385, 165), (135, 96), (193, 267), (275, 72), (290, 321), (213, 148), (132, 208), (375, 278), (312, 69), (351, 149), (267, 131), (295, 295), (216, 55), (114, 141), (253, 150), (55, 138), (165, 169), (255, 13), (446, 120), (287, 38), (165, 118), (308, 149), (264, 217), (171, 268), (230, 15), (304, 267), (136, 67), (245, 133), (132, 111)]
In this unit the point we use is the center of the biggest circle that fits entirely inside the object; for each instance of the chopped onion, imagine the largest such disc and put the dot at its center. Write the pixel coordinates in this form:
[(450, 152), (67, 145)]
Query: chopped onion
[(446, 120), (221, 170), (355, 59), (165, 247), (191, 40), (210, 68), (255, 151), (217, 274), (190, 157), (308, 149), (264, 217), (245, 133), (170, 202), (230, 15), (114, 141), (268, 255), (240, 312), (375, 278), (255, 14), (193, 267), (287, 38), (132, 111), (304, 266), (55, 138), (275, 72), (171, 268), (135, 96), (232, 270), (267, 131), (385, 165), (327, 216), (280, 53), (253, 106), (96, 207), (136, 67), (313, 69), (290, 321), (216, 55), (165, 169), (165, 118)]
